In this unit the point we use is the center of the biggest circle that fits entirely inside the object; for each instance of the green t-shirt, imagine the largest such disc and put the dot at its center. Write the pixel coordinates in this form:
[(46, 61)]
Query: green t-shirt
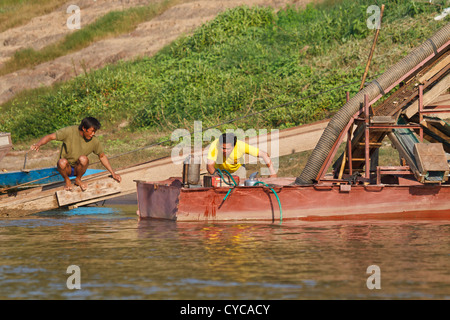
[(74, 144)]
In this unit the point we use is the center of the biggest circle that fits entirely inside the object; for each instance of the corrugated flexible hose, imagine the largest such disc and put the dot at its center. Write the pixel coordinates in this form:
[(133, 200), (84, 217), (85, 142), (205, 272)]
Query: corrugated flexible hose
[(376, 87)]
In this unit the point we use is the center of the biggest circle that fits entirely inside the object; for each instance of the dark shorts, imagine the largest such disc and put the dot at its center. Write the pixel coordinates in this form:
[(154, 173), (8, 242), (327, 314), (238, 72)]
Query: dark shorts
[(72, 172)]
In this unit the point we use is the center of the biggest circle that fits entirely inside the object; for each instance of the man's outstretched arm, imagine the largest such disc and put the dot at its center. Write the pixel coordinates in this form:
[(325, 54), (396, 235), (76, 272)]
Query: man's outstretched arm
[(269, 163), (43, 141), (104, 160), (210, 166)]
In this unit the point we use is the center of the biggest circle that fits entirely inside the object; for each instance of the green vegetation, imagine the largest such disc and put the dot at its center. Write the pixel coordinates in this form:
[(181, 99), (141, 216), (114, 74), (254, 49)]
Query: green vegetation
[(109, 25), (244, 61)]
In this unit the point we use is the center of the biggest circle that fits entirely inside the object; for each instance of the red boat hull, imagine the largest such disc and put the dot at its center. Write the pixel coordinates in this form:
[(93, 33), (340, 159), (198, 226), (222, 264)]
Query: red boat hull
[(169, 200)]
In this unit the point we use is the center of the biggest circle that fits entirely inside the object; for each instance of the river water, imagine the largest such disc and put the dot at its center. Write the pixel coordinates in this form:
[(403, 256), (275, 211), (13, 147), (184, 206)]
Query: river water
[(120, 257)]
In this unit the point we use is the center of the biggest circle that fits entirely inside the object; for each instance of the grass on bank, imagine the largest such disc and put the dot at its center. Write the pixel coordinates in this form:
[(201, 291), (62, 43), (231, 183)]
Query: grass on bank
[(110, 25), (244, 61), (14, 12)]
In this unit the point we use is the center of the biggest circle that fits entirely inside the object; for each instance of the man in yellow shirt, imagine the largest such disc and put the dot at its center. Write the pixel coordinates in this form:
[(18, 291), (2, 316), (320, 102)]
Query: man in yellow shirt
[(227, 152), (78, 143)]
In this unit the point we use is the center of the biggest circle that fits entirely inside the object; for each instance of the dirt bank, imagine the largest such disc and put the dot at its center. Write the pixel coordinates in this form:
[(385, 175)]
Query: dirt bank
[(47, 29), (148, 38)]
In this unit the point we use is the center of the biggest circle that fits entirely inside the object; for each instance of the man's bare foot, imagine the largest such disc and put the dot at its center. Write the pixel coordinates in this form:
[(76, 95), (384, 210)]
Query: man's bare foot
[(68, 186), (81, 184)]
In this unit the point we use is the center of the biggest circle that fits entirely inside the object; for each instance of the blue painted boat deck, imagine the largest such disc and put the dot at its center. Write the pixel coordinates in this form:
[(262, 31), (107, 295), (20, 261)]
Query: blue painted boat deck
[(48, 175)]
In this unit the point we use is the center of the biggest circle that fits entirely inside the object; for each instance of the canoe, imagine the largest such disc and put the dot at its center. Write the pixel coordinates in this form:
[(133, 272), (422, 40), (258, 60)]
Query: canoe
[(35, 177), (280, 200)]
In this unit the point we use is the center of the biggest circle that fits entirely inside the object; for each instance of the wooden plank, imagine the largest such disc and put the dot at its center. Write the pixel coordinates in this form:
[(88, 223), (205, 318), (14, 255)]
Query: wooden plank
[(103, 198), (383, 120), (442, 100), (429, 125), (5, 139), (435, 69), (95, 190), (34, 205), (430, 157), (428, 97), (376, 144), (434, 121), (5, 144)]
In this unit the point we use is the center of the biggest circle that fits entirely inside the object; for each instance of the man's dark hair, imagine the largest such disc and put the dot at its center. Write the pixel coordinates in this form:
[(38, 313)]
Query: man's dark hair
[(228, 138), (89, 122)]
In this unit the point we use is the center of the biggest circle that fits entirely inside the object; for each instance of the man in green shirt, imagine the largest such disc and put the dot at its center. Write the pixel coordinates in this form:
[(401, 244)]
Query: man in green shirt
[(78, 143)]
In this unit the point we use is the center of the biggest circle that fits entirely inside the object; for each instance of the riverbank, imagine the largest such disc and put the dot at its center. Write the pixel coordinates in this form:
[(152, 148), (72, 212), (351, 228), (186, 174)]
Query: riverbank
[(244, 61)]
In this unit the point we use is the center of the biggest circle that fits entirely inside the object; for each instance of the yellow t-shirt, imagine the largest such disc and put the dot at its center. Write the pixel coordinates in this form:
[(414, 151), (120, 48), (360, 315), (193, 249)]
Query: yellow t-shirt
[(233, 162), (74, 145)]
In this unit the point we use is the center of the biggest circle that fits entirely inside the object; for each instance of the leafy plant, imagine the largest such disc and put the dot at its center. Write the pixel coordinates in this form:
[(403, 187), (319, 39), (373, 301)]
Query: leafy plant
[(236, 66)]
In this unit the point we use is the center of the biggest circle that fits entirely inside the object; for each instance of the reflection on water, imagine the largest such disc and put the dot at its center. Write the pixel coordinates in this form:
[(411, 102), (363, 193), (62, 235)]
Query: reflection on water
[(123, 258)]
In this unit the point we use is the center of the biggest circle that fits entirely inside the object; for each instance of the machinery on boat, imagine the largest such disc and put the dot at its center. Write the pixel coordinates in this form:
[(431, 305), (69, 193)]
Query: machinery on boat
[(353, 185)]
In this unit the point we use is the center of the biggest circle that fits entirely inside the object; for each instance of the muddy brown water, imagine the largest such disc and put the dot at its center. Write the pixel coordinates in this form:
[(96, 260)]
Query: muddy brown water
[(120, 257)]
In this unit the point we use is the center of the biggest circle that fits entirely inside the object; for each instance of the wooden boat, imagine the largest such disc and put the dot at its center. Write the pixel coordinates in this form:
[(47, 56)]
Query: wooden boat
[(35, 177), (29, 177), (407, 199), (5, 144)]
